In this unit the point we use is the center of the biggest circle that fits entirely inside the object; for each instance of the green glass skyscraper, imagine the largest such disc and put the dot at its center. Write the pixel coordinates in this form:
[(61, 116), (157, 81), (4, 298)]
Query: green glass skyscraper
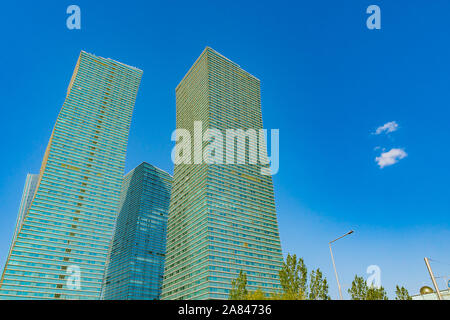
[(62, 244), (136, 261), (222, 217)]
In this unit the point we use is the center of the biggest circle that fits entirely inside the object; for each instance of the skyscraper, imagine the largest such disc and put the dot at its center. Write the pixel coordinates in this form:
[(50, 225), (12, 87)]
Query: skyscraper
[(222, 217), (62, 244), (136, 261), (27, 196)]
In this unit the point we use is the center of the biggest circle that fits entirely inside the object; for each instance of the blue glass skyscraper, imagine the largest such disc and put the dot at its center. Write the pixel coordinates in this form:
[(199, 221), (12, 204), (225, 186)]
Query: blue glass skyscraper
[(136, 260)]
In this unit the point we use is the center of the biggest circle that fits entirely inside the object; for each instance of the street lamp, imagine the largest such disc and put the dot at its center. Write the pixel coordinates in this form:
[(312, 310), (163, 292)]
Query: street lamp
[(332, 259)]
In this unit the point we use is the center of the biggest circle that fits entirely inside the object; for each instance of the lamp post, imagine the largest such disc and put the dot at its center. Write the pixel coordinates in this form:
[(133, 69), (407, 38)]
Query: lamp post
[(438, 293), (334, 265)]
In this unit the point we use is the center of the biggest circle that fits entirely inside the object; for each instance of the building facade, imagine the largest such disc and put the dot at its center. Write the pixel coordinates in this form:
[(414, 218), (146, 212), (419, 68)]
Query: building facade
[(61, 247), (136, 260), (222, 217), (27, 196)]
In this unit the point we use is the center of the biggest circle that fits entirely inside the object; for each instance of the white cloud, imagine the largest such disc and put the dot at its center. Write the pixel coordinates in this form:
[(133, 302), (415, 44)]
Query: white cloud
[(387, 127), (391, 157)]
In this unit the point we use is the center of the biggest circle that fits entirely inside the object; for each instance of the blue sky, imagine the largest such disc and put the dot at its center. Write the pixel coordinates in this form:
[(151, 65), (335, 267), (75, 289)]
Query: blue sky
[(327, 83)]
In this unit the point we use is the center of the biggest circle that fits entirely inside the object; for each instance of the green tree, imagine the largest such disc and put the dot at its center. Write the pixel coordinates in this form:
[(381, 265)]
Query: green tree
[(402, 293), (374, 293), (239, 287), (293, 278), (359, 288), (318, 286), (258, 294), (361, 291)]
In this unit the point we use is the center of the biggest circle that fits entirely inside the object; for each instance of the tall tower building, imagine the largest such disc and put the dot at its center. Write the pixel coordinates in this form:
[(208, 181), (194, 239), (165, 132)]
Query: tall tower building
[(62, 244), (136, 260), (222, 217), (27, 196)]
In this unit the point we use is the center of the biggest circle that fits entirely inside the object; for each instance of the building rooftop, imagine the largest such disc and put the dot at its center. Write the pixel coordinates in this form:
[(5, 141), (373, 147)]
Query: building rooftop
[(209, 49), (112, 60), (432, 296)]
